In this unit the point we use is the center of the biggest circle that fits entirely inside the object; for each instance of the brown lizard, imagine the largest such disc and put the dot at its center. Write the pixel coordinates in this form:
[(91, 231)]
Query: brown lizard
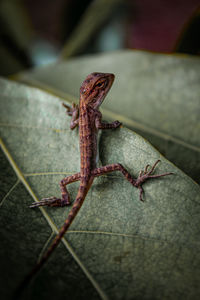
[(89, 119)]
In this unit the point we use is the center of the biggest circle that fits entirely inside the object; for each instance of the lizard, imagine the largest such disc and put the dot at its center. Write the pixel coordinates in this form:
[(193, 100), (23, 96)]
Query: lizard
[(88, 118)]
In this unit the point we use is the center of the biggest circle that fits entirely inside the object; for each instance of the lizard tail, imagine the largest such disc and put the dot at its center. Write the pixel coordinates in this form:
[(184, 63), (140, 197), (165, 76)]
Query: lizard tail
[(83, 189)]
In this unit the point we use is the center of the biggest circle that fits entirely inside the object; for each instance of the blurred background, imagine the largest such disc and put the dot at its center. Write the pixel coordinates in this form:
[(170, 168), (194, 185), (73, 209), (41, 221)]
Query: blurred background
[(38, 32)]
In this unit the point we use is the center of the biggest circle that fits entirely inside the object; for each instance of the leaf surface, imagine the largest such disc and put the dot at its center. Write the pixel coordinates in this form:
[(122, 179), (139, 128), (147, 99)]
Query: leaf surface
[(117, 246)]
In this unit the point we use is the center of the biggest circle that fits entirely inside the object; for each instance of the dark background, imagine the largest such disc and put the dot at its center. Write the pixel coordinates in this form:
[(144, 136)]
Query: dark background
[(33, 32)]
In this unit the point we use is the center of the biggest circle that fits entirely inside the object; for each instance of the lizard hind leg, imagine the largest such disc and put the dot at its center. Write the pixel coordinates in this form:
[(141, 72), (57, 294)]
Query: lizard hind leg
[(65, 198), (143, 175)]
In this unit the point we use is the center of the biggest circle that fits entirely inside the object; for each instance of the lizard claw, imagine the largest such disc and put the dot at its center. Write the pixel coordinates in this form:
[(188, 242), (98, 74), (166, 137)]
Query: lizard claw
[(144, 175), (117, 123), (141, 193), (68, 108), (71, 110), (51, 201)]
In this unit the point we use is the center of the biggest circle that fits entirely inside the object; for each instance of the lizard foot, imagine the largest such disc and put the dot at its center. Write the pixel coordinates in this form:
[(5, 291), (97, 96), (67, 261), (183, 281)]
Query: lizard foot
[(144, 175), (71, 110), (51, 201)]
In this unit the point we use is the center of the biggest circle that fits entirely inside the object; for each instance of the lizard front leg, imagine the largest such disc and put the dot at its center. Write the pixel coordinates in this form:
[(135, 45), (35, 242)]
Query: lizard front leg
[(74, 113), (100, 125), (64, 200), (143, 175)]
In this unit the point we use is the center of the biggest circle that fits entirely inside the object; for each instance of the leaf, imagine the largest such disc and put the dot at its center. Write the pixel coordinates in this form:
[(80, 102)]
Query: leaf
[(154, 94), (96, 15), (117, 246), (16, 37)]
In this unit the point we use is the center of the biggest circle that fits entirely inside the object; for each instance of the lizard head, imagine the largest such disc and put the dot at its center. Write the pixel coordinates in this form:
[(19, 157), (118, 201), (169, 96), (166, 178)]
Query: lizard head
[(95, 87)]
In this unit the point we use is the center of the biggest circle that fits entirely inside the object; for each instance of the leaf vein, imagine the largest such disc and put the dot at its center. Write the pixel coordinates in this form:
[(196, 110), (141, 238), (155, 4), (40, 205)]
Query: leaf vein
[(9, 192)]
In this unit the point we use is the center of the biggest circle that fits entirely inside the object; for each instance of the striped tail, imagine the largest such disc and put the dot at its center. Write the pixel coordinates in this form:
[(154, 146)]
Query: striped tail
[(83, 189)]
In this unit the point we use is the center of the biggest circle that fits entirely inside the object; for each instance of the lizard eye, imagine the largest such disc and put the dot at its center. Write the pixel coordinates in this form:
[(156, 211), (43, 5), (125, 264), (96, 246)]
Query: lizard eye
[(101, 84)]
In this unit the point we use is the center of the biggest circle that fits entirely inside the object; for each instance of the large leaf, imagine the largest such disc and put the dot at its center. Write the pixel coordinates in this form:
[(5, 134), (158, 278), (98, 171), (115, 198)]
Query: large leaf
[(117, 247), (96, 15), (16, 37), (157, 95)]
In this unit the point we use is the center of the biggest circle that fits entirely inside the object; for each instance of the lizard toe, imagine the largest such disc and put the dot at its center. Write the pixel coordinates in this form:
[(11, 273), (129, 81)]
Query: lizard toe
[(51, 201)]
